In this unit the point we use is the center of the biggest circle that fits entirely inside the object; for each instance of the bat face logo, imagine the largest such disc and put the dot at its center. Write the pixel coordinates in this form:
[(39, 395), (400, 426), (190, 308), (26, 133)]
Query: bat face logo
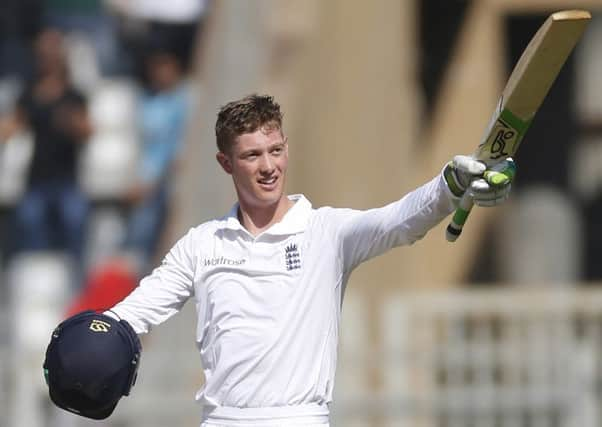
[(501, 143), (498, 146)]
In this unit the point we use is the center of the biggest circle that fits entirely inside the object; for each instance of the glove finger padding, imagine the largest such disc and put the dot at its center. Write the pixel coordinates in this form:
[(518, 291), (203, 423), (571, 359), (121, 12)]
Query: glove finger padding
[(461, 171), (468, 165), (494, 188), (485, 194)]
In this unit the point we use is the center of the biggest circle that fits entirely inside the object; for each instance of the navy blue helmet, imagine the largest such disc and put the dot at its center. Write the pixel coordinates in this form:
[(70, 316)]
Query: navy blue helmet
[(91, 362)]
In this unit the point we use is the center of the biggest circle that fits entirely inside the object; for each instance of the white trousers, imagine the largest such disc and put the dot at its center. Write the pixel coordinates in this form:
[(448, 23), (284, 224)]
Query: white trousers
[(210, 424), (310, 415)]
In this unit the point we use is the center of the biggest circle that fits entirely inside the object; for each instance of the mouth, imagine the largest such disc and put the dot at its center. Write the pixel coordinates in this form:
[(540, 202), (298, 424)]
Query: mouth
[(268, 183)]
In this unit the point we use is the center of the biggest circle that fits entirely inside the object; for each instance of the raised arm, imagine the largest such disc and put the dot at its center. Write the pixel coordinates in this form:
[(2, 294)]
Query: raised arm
[(366, 234)]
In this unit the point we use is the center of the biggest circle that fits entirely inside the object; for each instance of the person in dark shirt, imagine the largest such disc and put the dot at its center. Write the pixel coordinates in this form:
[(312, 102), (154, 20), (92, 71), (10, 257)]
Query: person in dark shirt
[(53, 210)]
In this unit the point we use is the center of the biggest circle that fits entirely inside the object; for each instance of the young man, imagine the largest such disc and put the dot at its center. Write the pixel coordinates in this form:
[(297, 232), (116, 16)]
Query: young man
[(268, 278)]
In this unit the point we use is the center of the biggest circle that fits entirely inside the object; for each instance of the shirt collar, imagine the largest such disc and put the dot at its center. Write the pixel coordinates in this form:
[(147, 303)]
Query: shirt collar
[(294, 221)]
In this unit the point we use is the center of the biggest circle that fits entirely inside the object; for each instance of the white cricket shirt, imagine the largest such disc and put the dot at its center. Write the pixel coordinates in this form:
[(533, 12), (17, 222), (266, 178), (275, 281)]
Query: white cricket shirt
[(269, 307)]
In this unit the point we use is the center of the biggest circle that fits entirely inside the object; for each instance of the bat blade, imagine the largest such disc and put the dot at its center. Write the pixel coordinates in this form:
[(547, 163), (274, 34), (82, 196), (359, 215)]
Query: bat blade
[(530, 82), (527, 87)]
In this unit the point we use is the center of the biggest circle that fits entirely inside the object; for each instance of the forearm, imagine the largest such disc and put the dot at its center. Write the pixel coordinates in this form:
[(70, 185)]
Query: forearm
[(422, 209), (10, 125), (146, 307), (372, 232), (410, 218)]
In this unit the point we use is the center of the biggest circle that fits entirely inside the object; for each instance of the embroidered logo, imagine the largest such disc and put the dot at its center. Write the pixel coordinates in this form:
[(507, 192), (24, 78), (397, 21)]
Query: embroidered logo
[(99, 326), (292, 257)]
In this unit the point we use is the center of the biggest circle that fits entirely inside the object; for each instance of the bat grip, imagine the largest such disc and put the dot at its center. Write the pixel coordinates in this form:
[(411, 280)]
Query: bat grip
[(454, 229)]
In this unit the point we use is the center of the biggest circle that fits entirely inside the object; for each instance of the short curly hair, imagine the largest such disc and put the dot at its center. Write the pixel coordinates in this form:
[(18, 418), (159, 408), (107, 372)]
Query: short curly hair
[(246, 115)]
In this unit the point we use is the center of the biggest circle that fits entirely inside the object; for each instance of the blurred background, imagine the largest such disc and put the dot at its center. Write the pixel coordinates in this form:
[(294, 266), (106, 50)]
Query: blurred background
[(107, 157)]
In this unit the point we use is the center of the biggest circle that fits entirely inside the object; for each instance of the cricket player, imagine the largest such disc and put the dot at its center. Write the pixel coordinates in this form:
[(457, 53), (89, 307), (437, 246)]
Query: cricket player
[(268, 278)]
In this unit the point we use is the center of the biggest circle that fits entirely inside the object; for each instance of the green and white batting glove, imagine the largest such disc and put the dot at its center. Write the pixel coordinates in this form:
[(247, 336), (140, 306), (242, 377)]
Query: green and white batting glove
[(487, 186)]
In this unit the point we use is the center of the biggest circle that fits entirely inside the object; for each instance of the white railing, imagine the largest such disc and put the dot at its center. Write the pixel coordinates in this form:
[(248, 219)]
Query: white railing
[(507, 357)]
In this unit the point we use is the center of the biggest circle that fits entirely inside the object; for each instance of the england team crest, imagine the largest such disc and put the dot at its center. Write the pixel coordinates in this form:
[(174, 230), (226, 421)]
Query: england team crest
[(292, 257)]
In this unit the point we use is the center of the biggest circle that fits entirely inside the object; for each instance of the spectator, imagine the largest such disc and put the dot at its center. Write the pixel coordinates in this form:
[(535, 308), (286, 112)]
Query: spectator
[(53, 210), (163, 113), (90, 19)]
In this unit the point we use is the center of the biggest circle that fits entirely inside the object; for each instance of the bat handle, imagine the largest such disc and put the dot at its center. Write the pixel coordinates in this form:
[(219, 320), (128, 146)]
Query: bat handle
[(454, 229)]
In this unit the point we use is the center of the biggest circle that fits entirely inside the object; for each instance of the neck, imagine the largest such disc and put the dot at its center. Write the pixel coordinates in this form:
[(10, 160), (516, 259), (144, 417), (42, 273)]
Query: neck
[(258, 219)]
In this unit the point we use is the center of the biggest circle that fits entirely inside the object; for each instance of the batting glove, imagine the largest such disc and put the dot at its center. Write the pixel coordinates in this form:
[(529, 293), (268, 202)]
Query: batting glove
[(487, 186)]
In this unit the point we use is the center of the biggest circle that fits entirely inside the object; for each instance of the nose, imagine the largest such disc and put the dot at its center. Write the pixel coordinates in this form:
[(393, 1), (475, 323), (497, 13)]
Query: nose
[(267, 164)]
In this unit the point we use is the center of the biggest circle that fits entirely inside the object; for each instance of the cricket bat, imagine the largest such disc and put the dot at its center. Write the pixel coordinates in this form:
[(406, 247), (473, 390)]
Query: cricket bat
[(526, 89)]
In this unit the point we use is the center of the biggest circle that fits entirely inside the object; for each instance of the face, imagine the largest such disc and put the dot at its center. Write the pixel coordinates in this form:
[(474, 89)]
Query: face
[(258, 162), (163, 71)]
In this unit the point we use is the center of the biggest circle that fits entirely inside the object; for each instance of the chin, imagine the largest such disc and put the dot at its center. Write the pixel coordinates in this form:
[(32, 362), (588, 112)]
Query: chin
[(269, 199)]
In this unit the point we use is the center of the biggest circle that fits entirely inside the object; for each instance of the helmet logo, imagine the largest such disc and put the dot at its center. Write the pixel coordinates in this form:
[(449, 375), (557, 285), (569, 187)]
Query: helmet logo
[(99, 326)]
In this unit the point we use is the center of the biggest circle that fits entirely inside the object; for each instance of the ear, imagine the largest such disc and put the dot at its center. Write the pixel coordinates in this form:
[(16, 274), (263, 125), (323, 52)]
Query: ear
[(224, 161)]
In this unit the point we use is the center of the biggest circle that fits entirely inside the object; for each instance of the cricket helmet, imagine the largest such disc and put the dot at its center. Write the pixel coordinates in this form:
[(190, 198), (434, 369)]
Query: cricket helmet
[(91, 362)]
